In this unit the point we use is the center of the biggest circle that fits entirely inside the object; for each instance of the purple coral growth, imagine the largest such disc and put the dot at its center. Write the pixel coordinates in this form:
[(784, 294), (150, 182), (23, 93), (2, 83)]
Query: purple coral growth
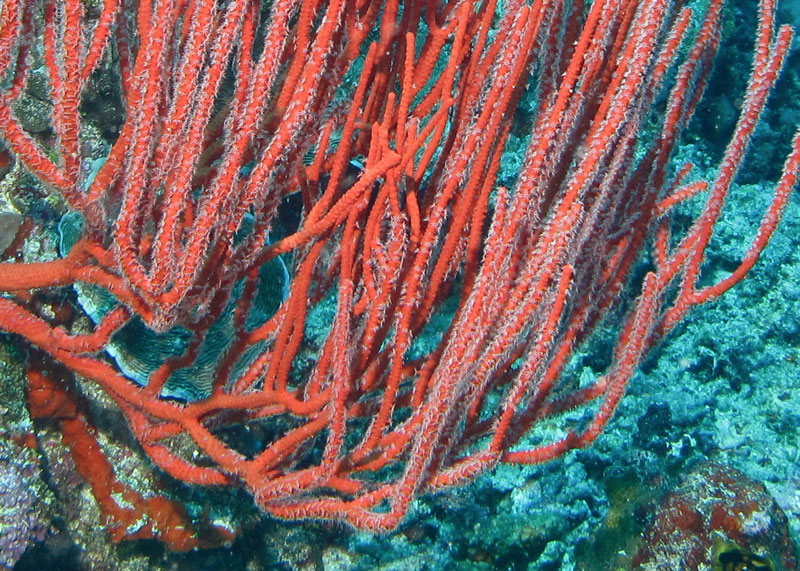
[(23, 515)]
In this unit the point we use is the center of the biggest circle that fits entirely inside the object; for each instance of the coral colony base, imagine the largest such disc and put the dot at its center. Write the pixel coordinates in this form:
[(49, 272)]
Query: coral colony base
[(237, 172)]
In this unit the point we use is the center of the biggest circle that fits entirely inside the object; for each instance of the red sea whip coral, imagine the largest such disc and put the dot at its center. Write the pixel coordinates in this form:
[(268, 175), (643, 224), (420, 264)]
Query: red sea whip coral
[(230, 108)]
